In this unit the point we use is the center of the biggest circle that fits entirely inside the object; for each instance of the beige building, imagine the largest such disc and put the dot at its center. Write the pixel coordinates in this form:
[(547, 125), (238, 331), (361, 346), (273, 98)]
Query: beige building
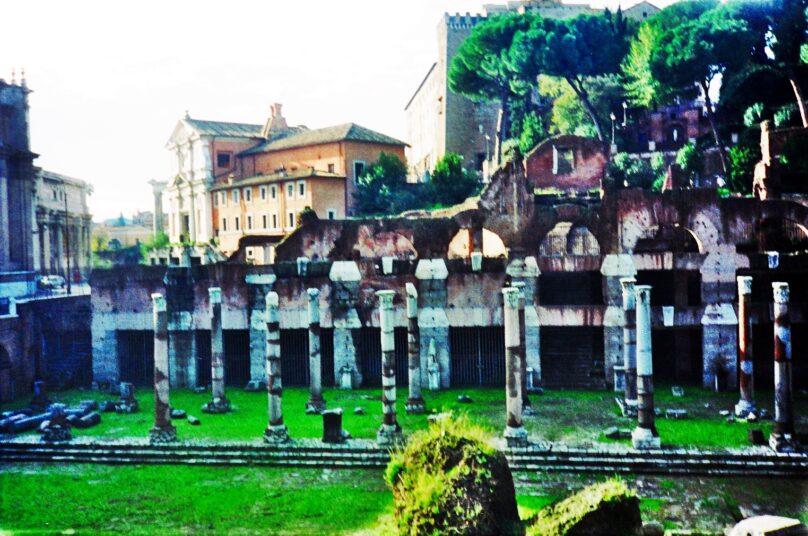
[(440, 121), (63, 225)]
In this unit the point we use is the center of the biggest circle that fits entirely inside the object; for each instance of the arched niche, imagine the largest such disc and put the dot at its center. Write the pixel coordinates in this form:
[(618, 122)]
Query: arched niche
[(667, 237), (568, 239), (461, 245)]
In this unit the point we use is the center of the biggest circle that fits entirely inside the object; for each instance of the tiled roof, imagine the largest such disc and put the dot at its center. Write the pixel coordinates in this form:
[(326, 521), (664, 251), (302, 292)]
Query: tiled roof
[(346, 132), (304, 173), (218, 128)]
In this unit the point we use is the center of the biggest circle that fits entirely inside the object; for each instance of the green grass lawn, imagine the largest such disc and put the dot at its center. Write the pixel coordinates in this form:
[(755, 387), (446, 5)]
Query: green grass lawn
[(573, 417)]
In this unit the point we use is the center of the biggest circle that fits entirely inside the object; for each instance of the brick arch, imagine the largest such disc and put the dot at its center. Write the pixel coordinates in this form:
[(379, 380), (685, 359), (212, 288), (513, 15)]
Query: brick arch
[(706, 225), (373, 243), (576, 216)]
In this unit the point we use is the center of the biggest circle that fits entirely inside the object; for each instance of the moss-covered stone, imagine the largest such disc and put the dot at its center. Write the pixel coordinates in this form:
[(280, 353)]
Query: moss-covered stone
[(449, 480), (608, 509)]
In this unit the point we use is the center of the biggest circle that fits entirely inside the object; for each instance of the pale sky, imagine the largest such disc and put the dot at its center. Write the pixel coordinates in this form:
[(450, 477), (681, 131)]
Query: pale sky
[(111, 79)]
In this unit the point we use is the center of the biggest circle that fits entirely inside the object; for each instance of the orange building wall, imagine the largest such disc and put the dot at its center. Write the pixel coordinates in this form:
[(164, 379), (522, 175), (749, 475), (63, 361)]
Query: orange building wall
[(234, 147)]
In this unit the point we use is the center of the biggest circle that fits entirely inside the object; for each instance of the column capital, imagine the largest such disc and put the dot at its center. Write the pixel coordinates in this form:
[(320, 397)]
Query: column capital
[(511, 296), (215, 295), (158, 302), (385, 298), (781, 292)]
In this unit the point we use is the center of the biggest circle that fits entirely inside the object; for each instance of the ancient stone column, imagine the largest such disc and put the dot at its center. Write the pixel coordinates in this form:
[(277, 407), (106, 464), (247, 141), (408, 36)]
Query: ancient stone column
[(390, 431), (316, 403), (219, 402), (782, 436), (162, 431), (629, 347), (415, 402), (276, 431), (527, 407), (515, 434), (746, 404), (645, 436)]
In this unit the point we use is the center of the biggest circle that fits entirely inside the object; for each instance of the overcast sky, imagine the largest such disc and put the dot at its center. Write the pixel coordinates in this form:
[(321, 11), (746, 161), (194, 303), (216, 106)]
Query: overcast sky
[(111, 79)]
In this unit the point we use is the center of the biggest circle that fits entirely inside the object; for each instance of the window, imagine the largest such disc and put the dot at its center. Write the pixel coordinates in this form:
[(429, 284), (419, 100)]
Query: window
[(247, 195), (332, 214), (54, 195), (223, 159), (274, 221), (224, 224), (238, 223), (358, 169), (223, 198), (331, 168), (263, 192), (215, 200), (301, 189), (563, 160), (235, 197), (264, 221), (249, 223), (273, 192), (291, 219), (290, 190)]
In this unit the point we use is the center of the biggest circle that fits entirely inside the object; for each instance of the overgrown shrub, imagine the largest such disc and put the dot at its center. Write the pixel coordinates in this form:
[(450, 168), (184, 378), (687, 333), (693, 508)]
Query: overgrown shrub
[(633, 172), (450, 480)]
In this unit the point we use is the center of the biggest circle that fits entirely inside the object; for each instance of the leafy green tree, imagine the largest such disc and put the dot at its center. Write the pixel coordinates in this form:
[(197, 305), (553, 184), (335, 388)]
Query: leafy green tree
[(533, 131), (377, 187), (789, 26), (691, 159), (451, 183), (742, 160), (633, 172), (568, 115), (576, 50)]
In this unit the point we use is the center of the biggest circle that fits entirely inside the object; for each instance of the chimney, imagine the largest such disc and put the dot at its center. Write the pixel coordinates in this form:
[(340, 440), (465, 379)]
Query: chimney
[(276, 122), (276, 110)]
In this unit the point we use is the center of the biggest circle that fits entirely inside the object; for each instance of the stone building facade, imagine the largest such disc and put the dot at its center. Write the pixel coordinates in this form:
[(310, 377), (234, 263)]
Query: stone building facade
[(439, 120), (63, 225)]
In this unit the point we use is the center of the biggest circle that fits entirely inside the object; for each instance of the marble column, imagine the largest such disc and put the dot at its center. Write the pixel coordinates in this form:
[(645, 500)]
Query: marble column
[(415, 402), (527, 407), (390, 432), (515, 434), (316, 403), (162, 431), (276, 431), (645, 436), (746, 404), (782, 437), (629, 347), (219, 402)]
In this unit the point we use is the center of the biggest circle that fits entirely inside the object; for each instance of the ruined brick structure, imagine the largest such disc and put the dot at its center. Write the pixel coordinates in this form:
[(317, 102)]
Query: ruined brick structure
[(571, 253)]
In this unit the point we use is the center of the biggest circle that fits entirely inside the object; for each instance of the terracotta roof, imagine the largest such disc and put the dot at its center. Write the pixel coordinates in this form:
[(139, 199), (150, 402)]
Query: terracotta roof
[(218, 128), (346, 132), (280, 176)]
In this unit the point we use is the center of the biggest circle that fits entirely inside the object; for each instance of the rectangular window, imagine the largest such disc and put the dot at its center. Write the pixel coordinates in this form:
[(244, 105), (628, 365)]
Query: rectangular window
[(331, 168), (249, 223), (238, 224), (235, 197), (332, 214), (290, 190), (290, 219), (223, 159), (224, 224), (223, 198), (301, 189), (358, 169), (263, 192), (563, 160), (273, 192), (264, 221), (274, 221), (248, 195), (215, 200)]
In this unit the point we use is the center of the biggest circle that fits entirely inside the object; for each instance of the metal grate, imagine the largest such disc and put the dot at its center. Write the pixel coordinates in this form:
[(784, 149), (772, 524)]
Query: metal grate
[(478, 356)]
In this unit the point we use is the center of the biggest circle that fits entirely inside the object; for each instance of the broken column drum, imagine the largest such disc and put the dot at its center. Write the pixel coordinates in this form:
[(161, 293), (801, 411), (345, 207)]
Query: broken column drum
[(629, 346), (782, 436), (527, 407), (219, 403), (645, 435), (415, 401), (162, 431), (515, 434), (316, 403), (390, 432), (276, 431), (746, 404)]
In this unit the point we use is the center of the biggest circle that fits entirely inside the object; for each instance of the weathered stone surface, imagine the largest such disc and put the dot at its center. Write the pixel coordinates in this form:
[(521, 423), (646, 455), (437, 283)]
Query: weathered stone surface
[(769, 526), (193, 421), (178, 414)]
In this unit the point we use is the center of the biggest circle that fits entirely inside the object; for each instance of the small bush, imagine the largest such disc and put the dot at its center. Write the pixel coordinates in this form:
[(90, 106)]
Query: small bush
[(450, 480)]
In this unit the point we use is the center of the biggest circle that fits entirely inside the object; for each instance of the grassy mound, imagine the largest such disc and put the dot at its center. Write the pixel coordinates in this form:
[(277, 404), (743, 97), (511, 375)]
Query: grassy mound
[(608, 509), (449, 480)]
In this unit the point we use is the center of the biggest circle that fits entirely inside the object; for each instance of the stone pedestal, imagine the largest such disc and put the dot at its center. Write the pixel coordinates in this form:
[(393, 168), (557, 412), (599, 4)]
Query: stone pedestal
[(162, 431), (219, 402), (613, 269), (390, 431), (276, 432), (316, 403), (182, 356), (433, 323), (332, 427), (345, 278)]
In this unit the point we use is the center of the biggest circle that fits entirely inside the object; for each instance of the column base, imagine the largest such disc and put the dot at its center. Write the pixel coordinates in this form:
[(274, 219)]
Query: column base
[(643, 439), (389, 436), (415, 406), (57, 432), (254, 386), (127, 405), (160, 435), (783, 443), (276, 435), (217, 405), (315, 406), (515, 437), (744, 407), (629, 407)]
